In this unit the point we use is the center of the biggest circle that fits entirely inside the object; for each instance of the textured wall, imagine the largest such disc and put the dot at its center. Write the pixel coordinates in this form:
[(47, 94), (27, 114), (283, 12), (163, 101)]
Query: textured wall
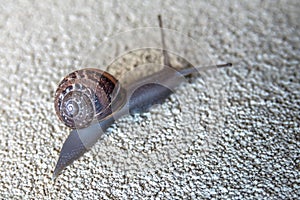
[(227, 133)]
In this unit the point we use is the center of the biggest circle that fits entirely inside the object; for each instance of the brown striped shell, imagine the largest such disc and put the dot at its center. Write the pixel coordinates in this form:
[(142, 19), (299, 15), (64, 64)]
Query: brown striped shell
[(84, 96)]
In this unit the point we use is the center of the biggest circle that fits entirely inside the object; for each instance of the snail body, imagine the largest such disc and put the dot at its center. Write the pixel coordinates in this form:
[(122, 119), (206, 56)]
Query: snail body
[(135, 97)]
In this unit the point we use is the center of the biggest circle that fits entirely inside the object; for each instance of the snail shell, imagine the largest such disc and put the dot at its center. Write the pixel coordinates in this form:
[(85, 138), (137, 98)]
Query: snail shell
[(86, 95)]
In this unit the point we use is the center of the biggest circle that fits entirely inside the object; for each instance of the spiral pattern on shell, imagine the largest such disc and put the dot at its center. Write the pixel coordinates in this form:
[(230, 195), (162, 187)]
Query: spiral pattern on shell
[(85, 95)]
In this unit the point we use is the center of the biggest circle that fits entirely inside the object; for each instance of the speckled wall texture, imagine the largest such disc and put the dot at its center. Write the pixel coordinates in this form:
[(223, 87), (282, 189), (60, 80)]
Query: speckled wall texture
[(232, 133)]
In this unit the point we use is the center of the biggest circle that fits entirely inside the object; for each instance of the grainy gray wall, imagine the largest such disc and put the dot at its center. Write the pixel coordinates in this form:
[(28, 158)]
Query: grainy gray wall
[(232, 133)]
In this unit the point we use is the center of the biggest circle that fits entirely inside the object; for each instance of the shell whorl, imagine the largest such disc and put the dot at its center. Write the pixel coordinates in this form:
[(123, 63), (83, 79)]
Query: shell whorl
[(85, 95)]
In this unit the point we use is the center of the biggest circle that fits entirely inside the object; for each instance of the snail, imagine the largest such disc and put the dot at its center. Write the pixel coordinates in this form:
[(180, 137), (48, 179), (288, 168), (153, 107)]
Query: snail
[(90, 100)]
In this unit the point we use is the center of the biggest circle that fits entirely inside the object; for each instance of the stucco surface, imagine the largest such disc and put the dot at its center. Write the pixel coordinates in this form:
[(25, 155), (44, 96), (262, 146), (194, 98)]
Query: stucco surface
[(231, 133)]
